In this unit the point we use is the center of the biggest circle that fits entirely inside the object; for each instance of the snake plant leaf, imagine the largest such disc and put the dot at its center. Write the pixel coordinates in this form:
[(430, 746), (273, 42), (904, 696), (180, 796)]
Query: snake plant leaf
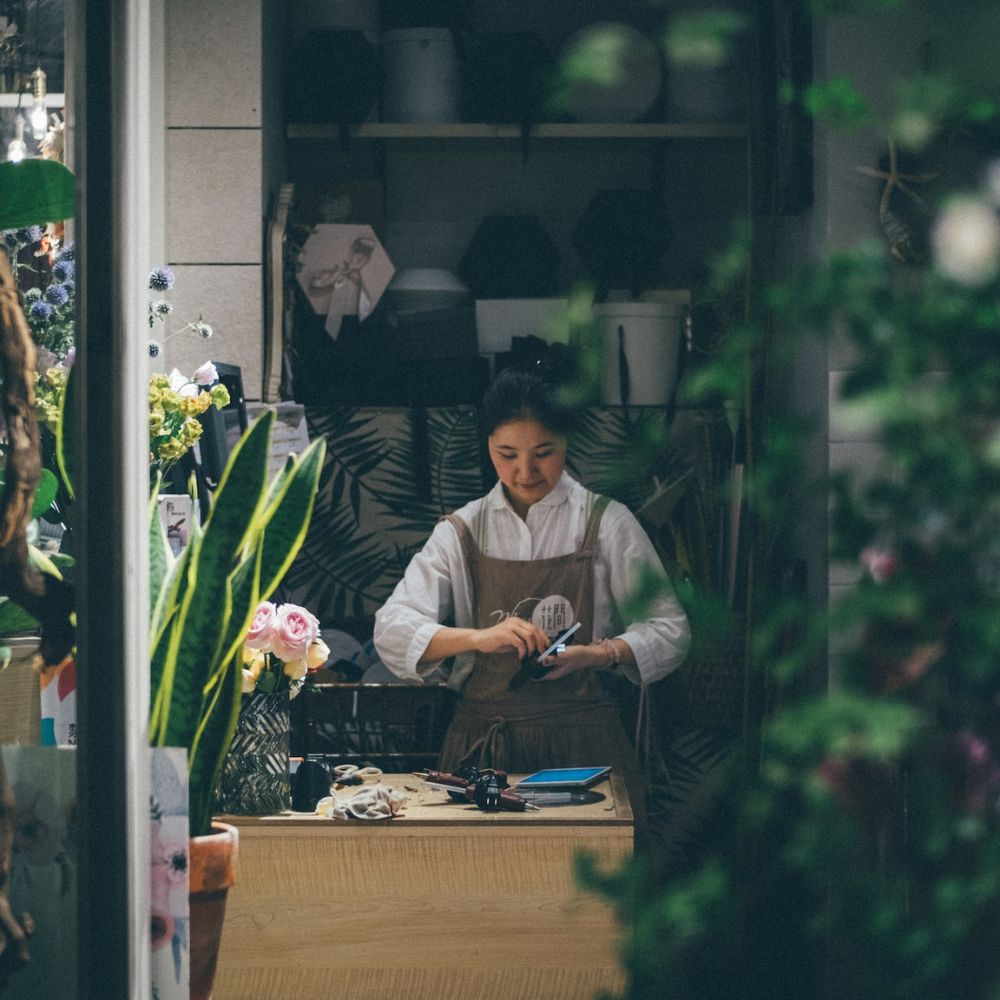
[(283, 536), (34, 192), (65, 439), (13, 618), (245, 591), (161, 561), (197, 633), (224, 693), (45, 493)]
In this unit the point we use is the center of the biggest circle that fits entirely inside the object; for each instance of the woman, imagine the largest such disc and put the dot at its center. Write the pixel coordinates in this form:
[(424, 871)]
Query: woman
[(515, 568)]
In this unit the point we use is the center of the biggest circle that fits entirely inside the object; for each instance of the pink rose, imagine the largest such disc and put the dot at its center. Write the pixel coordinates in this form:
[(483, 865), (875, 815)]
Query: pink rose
[(294, 630), (262, 627), (880, 563)]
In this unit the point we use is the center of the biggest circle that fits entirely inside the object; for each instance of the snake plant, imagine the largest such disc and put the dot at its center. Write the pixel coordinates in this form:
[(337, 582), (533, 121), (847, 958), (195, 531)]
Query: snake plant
[(203, 600)]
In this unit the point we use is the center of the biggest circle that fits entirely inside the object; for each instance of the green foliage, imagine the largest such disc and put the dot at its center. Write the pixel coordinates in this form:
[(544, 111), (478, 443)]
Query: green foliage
[(857, 851), (202, 602), (704, 39), (837, 103), (34, 192)]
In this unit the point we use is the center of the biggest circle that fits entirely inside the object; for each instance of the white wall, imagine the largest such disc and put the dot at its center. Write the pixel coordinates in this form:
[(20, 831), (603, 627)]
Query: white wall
[(873, 50), (220, 172)]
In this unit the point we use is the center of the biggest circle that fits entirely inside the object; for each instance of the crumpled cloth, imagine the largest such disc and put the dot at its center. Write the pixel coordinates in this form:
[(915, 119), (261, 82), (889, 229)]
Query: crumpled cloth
[(373, 802)]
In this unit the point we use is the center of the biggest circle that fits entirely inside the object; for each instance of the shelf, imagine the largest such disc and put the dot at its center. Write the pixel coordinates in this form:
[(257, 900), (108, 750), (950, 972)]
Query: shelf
[(543, 130)]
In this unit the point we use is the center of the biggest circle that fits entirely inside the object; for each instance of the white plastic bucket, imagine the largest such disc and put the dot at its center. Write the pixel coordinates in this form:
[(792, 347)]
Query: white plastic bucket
[(421, 75), (649, 334)]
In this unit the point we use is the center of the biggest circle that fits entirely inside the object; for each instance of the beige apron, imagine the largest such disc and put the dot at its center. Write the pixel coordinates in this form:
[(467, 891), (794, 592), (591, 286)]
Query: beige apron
[(563, 723)]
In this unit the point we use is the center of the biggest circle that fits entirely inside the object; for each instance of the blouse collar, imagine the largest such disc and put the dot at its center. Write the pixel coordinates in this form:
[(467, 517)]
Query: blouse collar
[(559, 494)]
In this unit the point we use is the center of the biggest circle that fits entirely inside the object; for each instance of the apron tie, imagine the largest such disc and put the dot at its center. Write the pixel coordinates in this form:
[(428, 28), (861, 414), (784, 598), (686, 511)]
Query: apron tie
[(491, 746)]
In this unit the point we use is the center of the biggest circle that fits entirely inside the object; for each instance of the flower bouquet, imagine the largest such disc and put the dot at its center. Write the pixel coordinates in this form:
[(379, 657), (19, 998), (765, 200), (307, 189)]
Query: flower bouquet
[(281, 647)]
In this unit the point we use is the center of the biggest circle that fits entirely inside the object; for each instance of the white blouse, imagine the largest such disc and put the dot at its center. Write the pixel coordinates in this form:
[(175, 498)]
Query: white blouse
[(436, 585)]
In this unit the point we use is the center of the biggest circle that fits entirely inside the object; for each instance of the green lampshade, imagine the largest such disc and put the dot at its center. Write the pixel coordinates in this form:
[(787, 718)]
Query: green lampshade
[(34, 192)]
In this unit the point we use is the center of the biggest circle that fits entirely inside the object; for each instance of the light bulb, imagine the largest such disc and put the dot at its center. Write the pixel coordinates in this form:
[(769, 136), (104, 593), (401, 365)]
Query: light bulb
[(17, 150), (39, 113)]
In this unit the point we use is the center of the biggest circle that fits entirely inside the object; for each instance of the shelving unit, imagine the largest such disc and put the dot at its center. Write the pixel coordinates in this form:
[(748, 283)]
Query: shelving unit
[(641, 131)]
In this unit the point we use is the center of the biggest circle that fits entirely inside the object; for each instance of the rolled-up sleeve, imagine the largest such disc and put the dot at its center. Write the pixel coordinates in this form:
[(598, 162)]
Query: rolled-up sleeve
[(627, 560), (422, 599)]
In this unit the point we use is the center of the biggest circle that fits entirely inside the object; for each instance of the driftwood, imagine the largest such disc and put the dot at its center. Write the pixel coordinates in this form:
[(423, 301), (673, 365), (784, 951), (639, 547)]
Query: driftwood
[(13, 933), (49, 600)]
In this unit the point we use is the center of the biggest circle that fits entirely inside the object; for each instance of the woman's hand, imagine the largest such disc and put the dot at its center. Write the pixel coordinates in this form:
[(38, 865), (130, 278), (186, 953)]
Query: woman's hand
[(512, 635), (571, 659)]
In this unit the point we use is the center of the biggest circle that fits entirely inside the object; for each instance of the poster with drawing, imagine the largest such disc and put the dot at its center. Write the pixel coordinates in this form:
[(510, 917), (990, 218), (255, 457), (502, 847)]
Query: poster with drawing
[(343, 271)]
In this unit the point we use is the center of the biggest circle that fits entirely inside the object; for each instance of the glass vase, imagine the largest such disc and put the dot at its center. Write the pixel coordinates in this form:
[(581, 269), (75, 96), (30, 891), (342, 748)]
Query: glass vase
[(255, 779)]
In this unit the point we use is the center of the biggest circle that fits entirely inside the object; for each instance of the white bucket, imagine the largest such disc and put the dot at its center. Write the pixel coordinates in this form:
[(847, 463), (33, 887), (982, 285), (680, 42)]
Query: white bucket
[(422, 77), (650, 335)]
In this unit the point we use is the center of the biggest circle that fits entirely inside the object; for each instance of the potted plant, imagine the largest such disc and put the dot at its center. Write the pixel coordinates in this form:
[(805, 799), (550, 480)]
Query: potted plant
[(202, 604)]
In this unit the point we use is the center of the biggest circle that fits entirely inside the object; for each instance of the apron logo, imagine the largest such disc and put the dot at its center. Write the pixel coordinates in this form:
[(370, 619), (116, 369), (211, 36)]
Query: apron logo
[(553, 614)]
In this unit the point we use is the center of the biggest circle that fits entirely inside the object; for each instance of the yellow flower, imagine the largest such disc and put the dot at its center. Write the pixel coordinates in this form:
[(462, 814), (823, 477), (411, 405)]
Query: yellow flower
[(170, 400), (159, 381), (170, 450), (317, 654), (295, 669), (220, 395), (189, 406), (249, 682), (190, 431), (254, 661), (204, 400)]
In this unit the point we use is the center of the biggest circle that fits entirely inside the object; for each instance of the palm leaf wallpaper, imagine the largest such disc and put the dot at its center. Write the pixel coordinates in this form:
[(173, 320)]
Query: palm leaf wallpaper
[(391, 472)]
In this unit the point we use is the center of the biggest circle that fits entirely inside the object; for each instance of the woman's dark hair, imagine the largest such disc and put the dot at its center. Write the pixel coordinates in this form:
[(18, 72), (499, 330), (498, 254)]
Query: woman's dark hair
[(518, 395)]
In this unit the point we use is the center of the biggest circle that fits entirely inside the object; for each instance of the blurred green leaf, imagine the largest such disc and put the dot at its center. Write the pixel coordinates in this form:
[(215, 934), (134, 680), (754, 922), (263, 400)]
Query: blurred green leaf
[(837, 103), (704, 39)]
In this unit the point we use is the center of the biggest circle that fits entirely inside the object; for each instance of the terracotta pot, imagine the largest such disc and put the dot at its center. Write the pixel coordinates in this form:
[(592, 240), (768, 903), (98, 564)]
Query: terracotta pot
[(213, 868)]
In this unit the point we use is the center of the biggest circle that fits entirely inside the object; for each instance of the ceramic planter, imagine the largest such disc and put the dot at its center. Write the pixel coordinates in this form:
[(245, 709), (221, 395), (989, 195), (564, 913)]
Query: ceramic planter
[(213, 860)]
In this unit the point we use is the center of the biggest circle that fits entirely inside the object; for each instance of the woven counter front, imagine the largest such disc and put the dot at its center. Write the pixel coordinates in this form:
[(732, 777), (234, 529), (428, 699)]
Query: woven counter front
[(444, 902)]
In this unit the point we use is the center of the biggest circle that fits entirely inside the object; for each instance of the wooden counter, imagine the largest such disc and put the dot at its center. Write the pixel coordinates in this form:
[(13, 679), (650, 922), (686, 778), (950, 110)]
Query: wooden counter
[(444, 902)]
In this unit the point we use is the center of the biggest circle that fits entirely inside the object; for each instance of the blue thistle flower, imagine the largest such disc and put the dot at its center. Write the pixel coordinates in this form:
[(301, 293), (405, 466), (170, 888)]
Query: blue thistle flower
[(154, 348), (57, 295), (70, 287), (63, 269), (30, 234), (41, 310), (32, 295), (11, 242), (68, 252), (161, 279)]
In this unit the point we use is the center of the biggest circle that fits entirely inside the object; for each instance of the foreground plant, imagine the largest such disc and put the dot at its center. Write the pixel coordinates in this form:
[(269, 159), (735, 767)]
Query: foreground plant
[(203, 602)]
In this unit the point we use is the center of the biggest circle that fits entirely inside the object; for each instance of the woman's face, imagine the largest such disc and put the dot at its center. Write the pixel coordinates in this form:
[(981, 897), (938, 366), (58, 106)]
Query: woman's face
[(529, 459)]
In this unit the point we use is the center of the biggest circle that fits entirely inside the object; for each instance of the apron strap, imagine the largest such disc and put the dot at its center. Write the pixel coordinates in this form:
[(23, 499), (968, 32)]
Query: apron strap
[(594, 524), (469, 549)]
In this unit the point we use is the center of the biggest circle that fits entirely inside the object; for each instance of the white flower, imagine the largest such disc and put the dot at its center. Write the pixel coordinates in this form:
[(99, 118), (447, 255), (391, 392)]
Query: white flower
[(966, 240), (249, 681), (206, 374), (182, 385)]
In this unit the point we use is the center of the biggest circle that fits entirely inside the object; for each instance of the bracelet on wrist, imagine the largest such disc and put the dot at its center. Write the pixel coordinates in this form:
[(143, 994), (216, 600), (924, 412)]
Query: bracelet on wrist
[(609, 651)]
